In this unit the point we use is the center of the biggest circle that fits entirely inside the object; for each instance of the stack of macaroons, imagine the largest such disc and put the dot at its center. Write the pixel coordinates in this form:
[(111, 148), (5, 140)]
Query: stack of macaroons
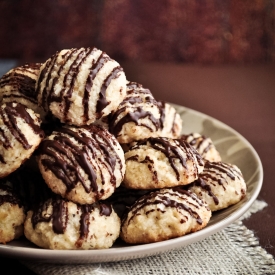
[(102, 157)]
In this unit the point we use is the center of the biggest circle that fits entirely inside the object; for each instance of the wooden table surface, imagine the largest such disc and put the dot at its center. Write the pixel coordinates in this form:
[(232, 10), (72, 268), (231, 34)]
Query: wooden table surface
[(243, 97)]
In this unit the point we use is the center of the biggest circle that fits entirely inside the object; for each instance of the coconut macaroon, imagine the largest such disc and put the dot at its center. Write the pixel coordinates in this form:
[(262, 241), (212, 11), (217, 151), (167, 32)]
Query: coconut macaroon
[(20, 135), (220, 185), (12, 215), (164, 214), (18, 85), (204, 145), (140, 116), (82, 164), (137, 117), (61, 224), (81, 85), (161, 162)]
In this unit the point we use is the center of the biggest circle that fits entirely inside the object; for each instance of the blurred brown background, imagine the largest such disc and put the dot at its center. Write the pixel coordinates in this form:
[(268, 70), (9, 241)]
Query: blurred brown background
[(190, 31)]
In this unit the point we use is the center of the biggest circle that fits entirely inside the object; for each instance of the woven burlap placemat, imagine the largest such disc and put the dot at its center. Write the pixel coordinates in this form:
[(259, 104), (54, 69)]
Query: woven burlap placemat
[(234, 250)]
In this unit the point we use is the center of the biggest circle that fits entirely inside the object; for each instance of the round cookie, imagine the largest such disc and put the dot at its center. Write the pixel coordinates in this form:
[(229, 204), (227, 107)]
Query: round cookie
[(139, 116), (60, 224), (20, 135), (12, 215), (82, 164), (220, 185), (161, 162), (18, 85), (164, 214), (81, 85), (204, 145)]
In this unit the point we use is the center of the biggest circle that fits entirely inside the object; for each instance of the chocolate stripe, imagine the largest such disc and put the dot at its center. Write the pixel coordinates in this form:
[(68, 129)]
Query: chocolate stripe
[(60, 150), (52, 97), (70, 78), (95, 68), (137, 95), (23, 84), (4, 139), (134, 116), (12, 95), (59, 216), (158, 197), (102, 102), (19, 110), (65, 157), (222, 167), (46, 71)]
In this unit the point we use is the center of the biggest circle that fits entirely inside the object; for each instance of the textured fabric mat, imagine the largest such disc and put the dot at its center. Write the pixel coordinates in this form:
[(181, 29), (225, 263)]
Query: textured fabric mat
[(234, 250)]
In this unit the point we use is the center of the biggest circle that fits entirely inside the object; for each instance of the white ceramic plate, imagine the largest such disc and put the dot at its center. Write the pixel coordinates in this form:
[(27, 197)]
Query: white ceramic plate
[(233, 148)]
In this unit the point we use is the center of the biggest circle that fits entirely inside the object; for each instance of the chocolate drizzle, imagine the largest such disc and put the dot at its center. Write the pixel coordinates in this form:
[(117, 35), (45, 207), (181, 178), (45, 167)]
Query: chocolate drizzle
[(178, 150), (222, 167), (131, 109), (198, 142), (202, 183), (19, 82), (172, 152), (57, 66), (9, 112), (104, 210), (161, 105), (216, 173), (11, 195), (22, 83), (72, 149), (134, 117), (70, 78), (45, 76), (62, 145), (102, 102), (170, 198), (84, 223), (59, 216), (4, 140), (17, 97), (150, 165), (40, 213)]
